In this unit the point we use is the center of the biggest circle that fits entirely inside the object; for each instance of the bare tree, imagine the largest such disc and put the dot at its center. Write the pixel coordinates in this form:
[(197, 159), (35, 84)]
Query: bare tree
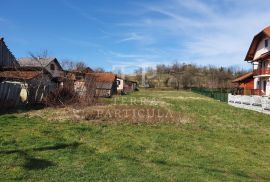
[(68, 65), (80, 66)]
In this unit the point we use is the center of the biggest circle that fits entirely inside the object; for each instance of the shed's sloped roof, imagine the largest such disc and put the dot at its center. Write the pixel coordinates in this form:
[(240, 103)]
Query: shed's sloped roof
[(103, 80), (31, 62), (243, 77), (23, 75), (103, 77)]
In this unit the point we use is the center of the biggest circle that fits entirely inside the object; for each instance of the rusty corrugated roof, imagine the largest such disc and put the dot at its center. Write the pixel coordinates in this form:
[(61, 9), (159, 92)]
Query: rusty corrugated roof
[(24, 75), (103, 77)]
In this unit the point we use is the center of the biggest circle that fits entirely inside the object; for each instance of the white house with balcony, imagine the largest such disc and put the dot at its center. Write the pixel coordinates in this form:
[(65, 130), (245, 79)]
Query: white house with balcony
[(259, 55)]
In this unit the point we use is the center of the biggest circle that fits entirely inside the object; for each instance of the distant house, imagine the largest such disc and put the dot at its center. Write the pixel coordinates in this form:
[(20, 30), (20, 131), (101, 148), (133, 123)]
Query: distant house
[(120, 85), (125, 85), (17, 86), (49, 64), (79, 82), (259, 55), (7, 59), (245, 84), (130, 86), (105, 83), (77, 79)]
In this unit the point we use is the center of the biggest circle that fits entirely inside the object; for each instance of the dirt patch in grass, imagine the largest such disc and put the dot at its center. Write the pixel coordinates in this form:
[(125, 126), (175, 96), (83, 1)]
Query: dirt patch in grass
[(133, 114)]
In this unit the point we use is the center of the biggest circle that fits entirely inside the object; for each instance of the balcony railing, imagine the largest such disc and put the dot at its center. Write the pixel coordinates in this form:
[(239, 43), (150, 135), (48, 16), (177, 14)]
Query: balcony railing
[(242, 91), (261, 71), (257, 92)]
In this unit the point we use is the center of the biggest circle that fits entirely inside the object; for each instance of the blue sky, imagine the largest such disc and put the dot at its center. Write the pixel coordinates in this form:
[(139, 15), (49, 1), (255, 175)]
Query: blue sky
[(134, 33)]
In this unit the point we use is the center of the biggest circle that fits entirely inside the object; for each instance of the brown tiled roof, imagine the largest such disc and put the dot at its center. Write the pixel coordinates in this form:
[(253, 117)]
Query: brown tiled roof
[(243, 77), (267, 31), (254, 44), (103, 77), (24, 75)]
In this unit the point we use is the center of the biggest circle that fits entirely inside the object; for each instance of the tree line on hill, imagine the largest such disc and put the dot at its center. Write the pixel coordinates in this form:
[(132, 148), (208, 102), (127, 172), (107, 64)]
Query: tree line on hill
[(184, 76), (177, 75)]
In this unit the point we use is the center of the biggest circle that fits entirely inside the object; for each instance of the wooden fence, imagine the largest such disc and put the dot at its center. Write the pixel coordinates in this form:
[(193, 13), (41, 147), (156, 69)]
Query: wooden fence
[(9, 94)]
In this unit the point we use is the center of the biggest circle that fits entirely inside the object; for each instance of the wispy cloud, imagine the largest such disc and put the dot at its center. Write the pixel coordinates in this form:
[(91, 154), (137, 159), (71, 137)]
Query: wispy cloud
[(137, 56), (132, 37), (207, 32), (137, 37), (81, 12)]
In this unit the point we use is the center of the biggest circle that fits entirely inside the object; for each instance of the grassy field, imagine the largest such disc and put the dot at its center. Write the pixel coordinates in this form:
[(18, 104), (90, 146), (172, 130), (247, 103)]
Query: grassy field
[(208, 141)]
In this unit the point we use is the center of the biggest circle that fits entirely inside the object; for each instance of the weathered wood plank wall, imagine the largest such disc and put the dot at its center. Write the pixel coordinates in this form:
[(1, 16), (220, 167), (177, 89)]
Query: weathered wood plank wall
[(9, 95)]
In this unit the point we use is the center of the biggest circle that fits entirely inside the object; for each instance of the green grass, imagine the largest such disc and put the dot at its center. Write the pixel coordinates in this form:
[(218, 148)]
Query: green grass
[(221, 143)]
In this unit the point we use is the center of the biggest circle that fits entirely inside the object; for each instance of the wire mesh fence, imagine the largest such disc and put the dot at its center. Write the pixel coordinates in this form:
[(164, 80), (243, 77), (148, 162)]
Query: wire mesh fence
[(218, 94)]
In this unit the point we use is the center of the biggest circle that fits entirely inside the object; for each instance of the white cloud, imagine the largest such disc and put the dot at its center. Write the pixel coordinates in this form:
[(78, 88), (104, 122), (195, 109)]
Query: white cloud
[(137, 37), (132, 37), (137, 56), (205, 31)]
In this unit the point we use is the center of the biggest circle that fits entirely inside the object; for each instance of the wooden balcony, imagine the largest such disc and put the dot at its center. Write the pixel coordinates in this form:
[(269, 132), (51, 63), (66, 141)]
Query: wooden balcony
[(261, 71), (257, 92)]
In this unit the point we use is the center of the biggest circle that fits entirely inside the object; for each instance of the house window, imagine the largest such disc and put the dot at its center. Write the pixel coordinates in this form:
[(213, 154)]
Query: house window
[(266, 43), (258, 84), (263, 64), (264, 86), (52, 67)]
